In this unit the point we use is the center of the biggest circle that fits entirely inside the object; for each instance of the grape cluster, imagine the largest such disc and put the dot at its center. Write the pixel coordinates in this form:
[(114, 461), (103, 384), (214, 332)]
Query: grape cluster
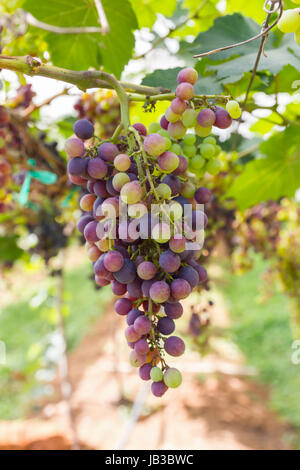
[(102, 108), (150, 257), (290, 22)]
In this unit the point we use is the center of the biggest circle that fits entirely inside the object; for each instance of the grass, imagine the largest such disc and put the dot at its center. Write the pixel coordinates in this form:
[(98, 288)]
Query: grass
[(263, 332), (29, 334)]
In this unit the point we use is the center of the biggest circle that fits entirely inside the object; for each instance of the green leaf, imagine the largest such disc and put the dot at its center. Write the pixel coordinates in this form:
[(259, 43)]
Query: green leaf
[(277, 57), (9, 250), (263, 126), (168, 79), (275, 175), (81, 51), (146, 10), (226, 30)]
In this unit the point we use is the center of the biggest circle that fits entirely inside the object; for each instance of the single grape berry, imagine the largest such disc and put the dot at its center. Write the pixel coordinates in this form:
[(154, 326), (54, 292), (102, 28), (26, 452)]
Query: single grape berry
[(172, 377), (185, 91), (84, 129), (206, 118), (223, 119), (154, 144), (187, 74), (174, 346)]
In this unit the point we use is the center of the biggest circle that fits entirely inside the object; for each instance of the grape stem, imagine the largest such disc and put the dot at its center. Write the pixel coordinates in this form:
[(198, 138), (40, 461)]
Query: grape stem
[(171, 96)]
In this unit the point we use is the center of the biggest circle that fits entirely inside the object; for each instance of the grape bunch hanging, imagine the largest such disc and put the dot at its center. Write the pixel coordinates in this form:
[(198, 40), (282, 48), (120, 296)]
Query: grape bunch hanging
[(152, 258)]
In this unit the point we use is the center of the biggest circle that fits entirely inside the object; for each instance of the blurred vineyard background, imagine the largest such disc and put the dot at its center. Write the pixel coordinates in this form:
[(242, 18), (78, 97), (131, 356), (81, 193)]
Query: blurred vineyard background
[(65, 381)]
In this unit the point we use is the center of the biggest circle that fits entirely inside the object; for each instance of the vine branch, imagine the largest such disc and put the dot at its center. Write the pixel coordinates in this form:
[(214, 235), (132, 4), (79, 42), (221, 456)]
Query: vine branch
[(82, 79), (102, 17), (59, 29)]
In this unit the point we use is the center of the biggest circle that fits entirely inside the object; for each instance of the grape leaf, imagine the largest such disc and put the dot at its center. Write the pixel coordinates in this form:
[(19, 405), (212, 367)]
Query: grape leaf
[(274, 175), (168, 79), (9, 250), (81, 51), (146, 10)]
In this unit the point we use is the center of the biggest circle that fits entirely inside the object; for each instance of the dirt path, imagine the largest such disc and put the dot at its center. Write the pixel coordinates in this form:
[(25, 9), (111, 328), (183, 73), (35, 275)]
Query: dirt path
[(211, 410)]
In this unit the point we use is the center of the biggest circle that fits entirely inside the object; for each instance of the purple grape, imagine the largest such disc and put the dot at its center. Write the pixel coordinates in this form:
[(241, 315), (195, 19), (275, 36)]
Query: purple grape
[(100, 270), (169, 261), (83, 221), (97, 213), (144, 371), (90, 186), (203, 195), (77, 166), (164, 123), (176, 129), (178, 106), (118, 288), (131, 335), (97, 168), (100, 189), (185, 91), (113, 261), (183, 201), (127, 273), (174, 183), (177, 244), (141, 346), (168, 161), (132, 316), (158, 388), (166, 326), (84, 129), (187, 74), (159, 292), (146, 270), (174, 310), (174, 346), (140, 128), (182, 167), (146, 285), (190, 275), (142, 325), (134, 289), (123, 306), (90, 232), (180, 289), (206, 118), (202, 273), (109, 187), (223, 119), (108, 151)]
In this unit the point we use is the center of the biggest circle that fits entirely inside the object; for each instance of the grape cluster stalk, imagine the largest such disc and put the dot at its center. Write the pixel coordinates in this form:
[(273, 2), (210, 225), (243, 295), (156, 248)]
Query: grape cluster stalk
[(151, 257)]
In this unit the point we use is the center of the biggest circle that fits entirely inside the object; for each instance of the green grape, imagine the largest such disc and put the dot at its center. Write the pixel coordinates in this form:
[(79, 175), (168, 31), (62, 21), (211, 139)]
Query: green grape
[(213, 166), (176, 210), (207, 150), (188, 190), (156, 374), (218, 150), (164, 133), (168, 143), (189, 139), (202, 131), (210, 140), (189, 118), (154, 127), (164, 191), (176, 148), (233, 108), (171, 116), (197, 162), (189, 150), (172, 377), (289, 21)]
